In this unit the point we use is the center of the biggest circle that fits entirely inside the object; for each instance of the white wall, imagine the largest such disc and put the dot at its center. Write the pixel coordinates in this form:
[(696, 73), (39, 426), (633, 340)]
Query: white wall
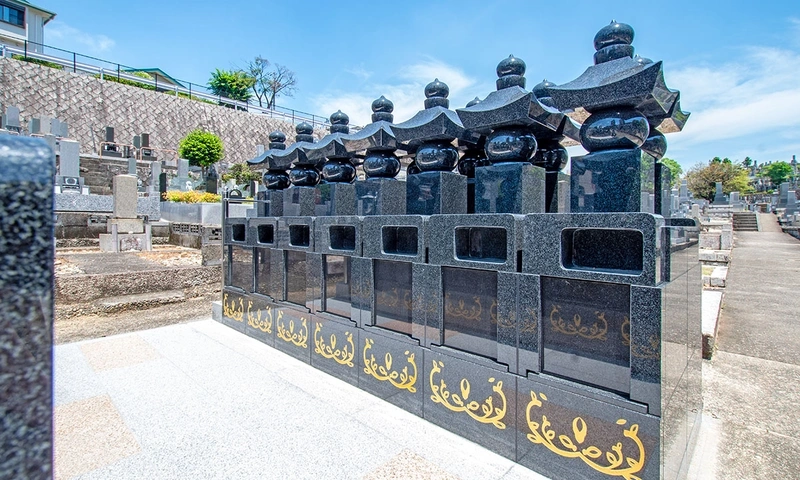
[(34, 31)]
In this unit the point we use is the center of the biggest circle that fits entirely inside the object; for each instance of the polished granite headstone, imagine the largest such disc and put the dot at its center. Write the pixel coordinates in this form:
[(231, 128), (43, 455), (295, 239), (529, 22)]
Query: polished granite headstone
[(27, 167), (300, 198), (626, 100), (379, 193), (429, 136), (336, 195)]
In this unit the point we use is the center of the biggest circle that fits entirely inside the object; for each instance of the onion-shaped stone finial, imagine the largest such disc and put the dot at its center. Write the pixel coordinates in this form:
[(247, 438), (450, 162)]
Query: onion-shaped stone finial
[(474, 101), (436, 94), (510, 72), (339, 122), (304, 132), (613, 42), (382, 109), (542, 93), (277, 140)]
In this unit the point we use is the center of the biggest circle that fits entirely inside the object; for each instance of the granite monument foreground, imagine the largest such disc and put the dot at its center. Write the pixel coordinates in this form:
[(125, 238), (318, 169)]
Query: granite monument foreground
[(554, 319)]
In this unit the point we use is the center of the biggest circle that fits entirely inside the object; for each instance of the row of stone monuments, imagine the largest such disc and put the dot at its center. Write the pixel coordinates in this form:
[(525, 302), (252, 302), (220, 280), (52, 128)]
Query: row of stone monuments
[(542, 315)]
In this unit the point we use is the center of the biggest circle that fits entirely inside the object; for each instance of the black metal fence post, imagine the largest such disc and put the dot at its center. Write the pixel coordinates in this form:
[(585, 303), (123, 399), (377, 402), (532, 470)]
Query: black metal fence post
[(74, 62)]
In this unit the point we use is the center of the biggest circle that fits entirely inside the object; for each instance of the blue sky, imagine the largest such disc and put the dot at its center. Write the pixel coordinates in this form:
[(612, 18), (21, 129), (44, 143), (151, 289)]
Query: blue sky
[(737, 63)]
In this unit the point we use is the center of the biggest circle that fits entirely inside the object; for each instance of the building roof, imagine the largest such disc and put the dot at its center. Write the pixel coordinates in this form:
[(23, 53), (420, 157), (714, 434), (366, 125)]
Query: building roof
[(49, 15), (156, 72)]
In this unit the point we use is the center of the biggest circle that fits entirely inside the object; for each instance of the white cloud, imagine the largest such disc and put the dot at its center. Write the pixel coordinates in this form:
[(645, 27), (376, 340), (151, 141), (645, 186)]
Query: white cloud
[(752, 100), (405, 89), (359, 72), (61, 35)]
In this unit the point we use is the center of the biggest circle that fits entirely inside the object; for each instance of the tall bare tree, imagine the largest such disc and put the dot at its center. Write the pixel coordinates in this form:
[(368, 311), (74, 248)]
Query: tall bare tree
[(270, 83)]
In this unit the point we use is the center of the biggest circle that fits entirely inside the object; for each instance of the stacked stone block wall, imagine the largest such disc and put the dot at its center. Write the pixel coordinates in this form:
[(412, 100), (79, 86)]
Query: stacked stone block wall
[(89, 104)]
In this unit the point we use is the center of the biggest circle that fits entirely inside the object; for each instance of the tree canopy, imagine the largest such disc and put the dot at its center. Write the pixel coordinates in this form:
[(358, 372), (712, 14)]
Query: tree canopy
[(201, 148), (778, 172), (270, 81), (674, 169), (702, 179), (233, 84)]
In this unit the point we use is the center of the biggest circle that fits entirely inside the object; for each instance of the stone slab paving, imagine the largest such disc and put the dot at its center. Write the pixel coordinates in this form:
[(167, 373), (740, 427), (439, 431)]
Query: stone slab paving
[(199, 400), (751, 424)]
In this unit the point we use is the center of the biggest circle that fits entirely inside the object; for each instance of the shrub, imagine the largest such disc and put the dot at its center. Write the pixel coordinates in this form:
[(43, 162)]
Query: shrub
[(192, 196), (43, 63), (201, 148), (124, 81)]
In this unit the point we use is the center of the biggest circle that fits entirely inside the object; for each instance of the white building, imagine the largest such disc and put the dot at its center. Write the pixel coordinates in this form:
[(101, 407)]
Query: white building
[(21, 21)]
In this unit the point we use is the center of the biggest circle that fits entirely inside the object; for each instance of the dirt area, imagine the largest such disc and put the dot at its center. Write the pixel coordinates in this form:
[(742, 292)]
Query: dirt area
[(76, 320), (85, 327)]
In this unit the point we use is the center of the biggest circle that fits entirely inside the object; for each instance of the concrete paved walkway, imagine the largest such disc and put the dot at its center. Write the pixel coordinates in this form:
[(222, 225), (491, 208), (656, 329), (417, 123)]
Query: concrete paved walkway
[(199, 400), (751, 424)]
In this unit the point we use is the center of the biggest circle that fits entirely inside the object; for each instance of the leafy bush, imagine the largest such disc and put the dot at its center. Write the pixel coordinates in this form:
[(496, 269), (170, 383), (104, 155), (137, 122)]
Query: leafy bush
[(240, 173), (124, 81), (201, 148), (43, 63), (186, 95), (192, 196)]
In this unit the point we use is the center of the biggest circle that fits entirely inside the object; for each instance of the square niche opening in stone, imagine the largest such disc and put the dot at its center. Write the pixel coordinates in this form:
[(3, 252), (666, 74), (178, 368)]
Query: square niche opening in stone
[(266, 234), (586, 331), (296, 274), (299, 235), (399, 240), (393, 303), (242, 268), (470, 310), (337, 285), (603, 250), (238, 232), (342, 237), (481, 244), (263, 259)]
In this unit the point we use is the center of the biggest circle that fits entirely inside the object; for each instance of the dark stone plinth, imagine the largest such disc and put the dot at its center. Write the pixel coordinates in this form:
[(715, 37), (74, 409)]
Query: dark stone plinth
[(299, 201), (471, 399), (428, 304), (487, 242), (393, 294), (528, 321), (241, 273), (235, 232), (557, 192), (584, 333), (334, 347), (296, 233), (644, 338), (380, 196), (510, 188), (582, 420), (268, 277), (262, 231), (433, 193), (335, 199), (621, 248), (270, 203), (338, 236), (361, 291), (391, 367), (607, 181), (396, 237), (293, 332), (27, 167)]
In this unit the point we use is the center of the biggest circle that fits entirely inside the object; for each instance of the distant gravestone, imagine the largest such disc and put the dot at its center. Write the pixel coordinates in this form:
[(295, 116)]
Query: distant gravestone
[(791, 203), (12, 119), (155, 175), (59, 128), (783, 195), (125, 196), (719, 197), (34, 126), (132, 166), (683, 192), (211, 180), (69, 159)]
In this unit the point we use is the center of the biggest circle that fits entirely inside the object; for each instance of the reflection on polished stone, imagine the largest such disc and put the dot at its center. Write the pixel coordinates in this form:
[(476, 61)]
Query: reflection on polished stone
[(296, 277), (470, 310), (393, 295), (242, 268), (586, 331), (263, 282), (337, 285)]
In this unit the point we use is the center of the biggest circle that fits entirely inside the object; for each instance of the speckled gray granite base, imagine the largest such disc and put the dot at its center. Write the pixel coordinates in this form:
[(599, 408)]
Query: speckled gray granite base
[(71, 202), (27, 167)]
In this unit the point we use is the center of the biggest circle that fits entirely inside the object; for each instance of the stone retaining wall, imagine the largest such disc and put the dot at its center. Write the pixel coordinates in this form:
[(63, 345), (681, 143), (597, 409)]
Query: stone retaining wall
[(89, 104)]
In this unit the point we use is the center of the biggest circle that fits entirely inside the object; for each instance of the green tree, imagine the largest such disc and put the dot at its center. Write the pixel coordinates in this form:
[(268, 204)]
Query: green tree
[(702, 179), (233, 84), (241, 174), (674, 169), (747, 162), (201, 148), (778, 172), (279, 81)]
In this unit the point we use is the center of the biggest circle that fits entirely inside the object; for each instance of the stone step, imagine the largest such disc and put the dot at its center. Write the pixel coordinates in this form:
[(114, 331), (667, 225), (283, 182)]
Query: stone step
[(138, 301), (745, 222)]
